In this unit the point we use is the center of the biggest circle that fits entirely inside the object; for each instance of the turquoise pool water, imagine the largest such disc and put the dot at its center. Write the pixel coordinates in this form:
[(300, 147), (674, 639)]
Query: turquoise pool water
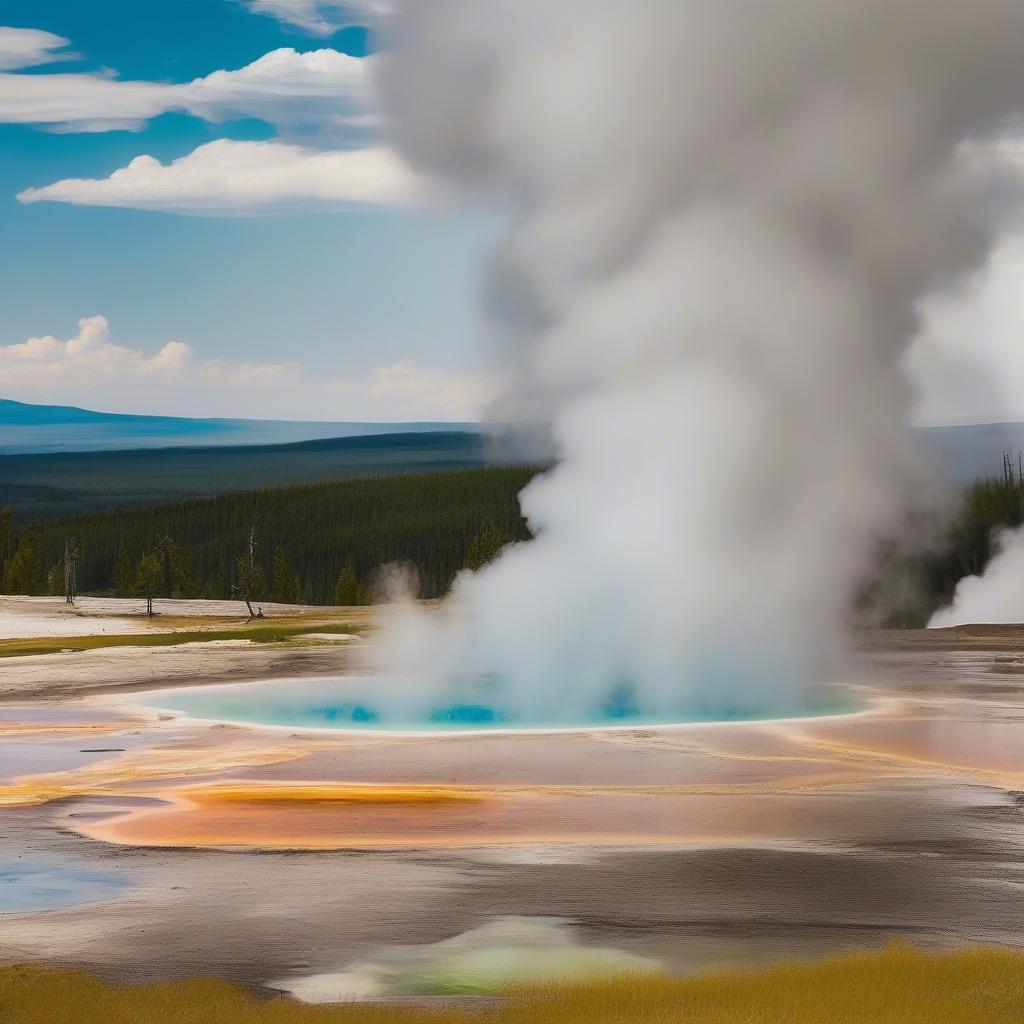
[(351, 703)]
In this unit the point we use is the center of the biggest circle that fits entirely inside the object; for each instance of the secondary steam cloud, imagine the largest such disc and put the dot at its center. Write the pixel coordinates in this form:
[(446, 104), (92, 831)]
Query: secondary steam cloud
[(997, 595), (726, 217)]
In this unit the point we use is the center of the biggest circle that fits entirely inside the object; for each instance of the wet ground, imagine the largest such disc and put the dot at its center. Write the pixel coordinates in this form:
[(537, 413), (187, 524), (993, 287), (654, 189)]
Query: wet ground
[(261, 855)]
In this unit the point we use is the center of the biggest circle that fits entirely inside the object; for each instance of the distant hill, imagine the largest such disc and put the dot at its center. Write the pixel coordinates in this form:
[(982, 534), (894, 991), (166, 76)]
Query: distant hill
[(61, 460), (46, 486), (28, 428)]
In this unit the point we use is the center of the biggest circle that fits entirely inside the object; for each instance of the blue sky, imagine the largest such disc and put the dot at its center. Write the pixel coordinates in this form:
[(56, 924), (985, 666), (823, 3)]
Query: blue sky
[(333, 293), (201, 214)]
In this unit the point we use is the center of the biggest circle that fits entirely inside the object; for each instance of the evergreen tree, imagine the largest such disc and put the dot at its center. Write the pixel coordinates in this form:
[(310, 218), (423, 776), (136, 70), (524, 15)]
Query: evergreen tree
[(485, 546), (25, 570), (284, 579), (124, 572), (175, 577), (348, 590), (148, 578)]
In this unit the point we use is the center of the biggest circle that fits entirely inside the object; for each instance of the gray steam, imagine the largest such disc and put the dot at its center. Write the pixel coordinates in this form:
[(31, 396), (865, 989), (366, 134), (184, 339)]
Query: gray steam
[(727, 215)]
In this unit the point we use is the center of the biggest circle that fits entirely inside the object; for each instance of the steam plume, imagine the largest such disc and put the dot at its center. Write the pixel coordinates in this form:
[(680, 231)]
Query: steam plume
[(997, 595), (727, 214)]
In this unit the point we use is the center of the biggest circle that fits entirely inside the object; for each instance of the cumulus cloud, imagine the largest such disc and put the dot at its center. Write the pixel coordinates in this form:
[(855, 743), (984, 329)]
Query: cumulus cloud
[(90, 369), (284, 87), (28, 47), (91, 364), (406, 390), (89, 353), (227, 176), (321, 17)]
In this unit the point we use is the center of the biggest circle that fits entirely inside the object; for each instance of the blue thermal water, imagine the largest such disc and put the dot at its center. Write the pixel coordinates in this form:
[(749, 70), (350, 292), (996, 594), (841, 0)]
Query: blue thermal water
[(349, 703), (42, 884)]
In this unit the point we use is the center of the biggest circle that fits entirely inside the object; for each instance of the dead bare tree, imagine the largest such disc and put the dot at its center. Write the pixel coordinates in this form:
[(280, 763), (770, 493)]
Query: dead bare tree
[(249, 577), (70, 569)]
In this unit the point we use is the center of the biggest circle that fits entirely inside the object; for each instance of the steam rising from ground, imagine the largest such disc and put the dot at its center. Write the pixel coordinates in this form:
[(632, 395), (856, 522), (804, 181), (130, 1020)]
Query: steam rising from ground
[(727, 214), (997, 595)]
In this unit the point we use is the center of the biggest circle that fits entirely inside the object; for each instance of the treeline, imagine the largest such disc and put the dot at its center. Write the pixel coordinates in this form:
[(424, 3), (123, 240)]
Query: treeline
[(324, 543), (320, 543)]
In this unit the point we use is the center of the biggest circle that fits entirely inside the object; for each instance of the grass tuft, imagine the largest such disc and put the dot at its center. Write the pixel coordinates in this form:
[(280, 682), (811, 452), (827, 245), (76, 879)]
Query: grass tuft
[(895, 986)]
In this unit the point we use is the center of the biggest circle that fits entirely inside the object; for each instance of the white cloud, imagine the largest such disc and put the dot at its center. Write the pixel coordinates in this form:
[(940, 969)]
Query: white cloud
[(223, 373), (285, 88), (321, 17), (408, 391), (90, 363), (28, 47), (228, 176), (175, 355), (89, 369), (89, 353), (81, 102)]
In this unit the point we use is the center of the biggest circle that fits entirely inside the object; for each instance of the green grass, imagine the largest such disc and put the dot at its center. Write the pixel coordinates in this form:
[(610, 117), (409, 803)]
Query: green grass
[(894, 986), (257, 634)]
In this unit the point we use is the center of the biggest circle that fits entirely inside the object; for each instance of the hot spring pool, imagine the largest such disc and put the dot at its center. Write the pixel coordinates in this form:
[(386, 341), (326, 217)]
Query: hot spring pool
[(356, 703)]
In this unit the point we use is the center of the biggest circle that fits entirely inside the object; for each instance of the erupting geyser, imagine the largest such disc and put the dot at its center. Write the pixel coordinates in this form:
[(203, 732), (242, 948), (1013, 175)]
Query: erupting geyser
[(726, 215)]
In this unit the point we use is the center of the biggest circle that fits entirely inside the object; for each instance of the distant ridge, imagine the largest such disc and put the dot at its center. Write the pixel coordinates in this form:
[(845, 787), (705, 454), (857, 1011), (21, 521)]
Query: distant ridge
[(960, 453), (53, 484), (27, 428), (403, 441)]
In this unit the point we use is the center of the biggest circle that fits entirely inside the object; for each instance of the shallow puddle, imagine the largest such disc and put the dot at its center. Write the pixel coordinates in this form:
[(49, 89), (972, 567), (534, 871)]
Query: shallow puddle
[(29, 882)]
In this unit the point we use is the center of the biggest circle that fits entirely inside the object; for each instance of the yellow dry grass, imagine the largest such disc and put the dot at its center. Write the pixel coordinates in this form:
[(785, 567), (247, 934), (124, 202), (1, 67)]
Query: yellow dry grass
[(894, 986)]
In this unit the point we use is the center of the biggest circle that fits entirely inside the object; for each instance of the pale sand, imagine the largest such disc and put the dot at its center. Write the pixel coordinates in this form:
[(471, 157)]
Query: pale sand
[(694, 846), (24, 617), (77, 673), (50, 616)]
